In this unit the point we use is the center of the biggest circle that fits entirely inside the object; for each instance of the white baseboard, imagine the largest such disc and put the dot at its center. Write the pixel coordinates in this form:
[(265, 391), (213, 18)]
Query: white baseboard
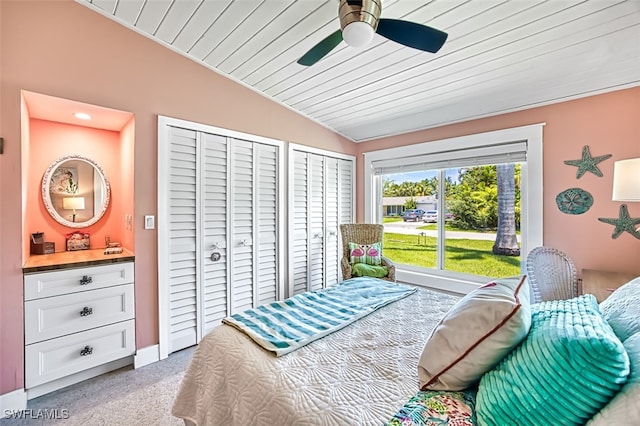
[(146, 356), (12, 402)]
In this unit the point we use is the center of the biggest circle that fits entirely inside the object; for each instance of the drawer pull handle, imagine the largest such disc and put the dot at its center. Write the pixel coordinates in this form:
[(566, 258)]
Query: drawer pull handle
[(88, 350), (86, 311), (86, 280)]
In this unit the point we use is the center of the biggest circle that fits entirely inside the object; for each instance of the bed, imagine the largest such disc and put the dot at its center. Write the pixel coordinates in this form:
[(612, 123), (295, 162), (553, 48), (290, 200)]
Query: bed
[(493, 358), (359, 375)]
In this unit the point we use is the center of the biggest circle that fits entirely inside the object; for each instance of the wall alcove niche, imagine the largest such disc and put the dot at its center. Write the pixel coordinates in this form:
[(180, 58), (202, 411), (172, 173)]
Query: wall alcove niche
[(52, 132)]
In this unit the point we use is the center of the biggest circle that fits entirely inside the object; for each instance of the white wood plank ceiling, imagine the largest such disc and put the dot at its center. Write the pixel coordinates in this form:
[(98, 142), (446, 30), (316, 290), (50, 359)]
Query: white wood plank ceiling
[(501, 55)]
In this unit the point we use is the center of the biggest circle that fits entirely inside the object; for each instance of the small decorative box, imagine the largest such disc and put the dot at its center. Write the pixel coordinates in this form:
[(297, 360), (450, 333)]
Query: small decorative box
[(39, 246), (78, 241)]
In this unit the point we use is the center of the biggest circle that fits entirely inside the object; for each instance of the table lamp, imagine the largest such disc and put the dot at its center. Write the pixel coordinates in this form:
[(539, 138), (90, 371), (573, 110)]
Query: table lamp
[(626, 180), (73, 203)]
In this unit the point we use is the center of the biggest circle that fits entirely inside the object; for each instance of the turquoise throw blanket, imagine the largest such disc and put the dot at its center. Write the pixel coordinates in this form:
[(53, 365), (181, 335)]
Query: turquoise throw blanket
[(284, 326)]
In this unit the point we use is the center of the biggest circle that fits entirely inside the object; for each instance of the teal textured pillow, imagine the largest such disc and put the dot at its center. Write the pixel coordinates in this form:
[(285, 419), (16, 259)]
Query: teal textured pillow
[(371, 254), (569, 366), (624, 408)]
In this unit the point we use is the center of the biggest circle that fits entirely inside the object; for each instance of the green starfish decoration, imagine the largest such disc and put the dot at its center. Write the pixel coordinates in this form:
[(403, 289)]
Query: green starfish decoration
[(587, 163), (624, 223)]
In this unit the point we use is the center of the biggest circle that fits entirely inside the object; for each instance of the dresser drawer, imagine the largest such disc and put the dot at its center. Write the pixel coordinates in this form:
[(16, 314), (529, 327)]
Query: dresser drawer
[(61, 315), (54, 283), (56, 358)]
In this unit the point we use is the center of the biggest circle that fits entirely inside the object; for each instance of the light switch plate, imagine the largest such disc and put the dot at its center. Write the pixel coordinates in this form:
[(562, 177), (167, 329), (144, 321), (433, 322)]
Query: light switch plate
[(149, 222)]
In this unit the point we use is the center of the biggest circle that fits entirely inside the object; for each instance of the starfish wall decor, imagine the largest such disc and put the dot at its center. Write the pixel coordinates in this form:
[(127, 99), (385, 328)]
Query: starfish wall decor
[(623, 223), (587, 163)]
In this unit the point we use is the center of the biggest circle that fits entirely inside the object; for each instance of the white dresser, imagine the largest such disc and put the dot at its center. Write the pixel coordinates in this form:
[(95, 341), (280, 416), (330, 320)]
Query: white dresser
[(79, 317)]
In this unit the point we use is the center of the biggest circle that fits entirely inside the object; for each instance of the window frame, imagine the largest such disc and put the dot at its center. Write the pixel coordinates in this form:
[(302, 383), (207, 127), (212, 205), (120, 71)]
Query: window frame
[(531, 200)]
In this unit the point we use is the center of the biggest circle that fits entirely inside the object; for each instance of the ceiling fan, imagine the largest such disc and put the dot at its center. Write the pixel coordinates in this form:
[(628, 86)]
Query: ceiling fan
[(359, 19)]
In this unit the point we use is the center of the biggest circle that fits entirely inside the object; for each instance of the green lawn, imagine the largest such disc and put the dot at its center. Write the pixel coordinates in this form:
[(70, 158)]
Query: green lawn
[(391, 219), (468, 256)]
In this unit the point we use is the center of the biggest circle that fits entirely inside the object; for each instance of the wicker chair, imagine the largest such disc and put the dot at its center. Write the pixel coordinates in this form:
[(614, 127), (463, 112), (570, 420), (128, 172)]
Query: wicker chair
[(363, 233), (552, 275)]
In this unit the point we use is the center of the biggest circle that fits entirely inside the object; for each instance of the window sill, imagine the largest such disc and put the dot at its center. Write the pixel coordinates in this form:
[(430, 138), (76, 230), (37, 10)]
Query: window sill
[(438, 282)]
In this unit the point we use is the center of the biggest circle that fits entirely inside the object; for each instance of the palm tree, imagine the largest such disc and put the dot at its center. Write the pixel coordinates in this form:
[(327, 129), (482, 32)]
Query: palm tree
[(506, 242)]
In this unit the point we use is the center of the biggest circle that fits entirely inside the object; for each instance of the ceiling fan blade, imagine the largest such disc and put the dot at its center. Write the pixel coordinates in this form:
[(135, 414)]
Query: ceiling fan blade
[(411, 34), (318, 51)]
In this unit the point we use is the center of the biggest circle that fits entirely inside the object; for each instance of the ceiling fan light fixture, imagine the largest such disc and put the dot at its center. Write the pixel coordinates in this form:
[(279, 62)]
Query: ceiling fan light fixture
[(358, 34)]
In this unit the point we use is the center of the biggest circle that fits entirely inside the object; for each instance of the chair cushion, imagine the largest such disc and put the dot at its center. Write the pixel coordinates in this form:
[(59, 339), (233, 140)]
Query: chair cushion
[(364, 270), (371, 254), (480, 330), (569, 366)]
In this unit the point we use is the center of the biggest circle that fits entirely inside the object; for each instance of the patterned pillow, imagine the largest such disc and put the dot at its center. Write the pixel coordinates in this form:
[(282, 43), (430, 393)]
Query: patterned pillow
[(437, 408), (622, 309), (480, 330), (371, 254), (569, 366)]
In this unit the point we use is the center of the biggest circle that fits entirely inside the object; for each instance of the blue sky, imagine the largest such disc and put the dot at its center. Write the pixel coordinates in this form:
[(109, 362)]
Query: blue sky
[(418, 176)]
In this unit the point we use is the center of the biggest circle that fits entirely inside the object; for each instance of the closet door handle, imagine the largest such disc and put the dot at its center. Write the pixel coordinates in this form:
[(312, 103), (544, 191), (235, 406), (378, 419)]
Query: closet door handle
[(86, 279)]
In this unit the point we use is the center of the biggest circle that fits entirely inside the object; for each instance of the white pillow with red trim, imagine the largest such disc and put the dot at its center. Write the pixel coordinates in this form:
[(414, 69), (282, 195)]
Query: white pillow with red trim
[(476, 333)]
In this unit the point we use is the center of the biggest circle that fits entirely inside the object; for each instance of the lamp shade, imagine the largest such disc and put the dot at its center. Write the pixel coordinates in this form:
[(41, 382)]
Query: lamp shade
[(73, 203), (626, 180)]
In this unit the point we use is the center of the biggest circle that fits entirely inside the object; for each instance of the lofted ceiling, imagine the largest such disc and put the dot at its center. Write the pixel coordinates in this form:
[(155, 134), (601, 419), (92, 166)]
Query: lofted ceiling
[(500, 56)]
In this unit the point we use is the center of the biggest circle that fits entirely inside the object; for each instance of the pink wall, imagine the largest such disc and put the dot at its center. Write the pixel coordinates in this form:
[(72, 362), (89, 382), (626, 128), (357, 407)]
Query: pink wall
[(608, 124), (65, 50)]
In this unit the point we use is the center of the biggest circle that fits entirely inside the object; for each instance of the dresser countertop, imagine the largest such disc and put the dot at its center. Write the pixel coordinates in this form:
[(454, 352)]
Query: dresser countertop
[(603, 283), (73, 259)]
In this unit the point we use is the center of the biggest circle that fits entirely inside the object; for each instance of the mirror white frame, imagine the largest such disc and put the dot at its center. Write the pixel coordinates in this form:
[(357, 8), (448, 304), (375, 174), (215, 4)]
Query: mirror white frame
[(100, 193)]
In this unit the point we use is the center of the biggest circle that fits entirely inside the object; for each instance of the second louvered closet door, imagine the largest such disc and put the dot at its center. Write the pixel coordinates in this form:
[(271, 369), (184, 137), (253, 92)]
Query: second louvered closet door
[(321, 198)]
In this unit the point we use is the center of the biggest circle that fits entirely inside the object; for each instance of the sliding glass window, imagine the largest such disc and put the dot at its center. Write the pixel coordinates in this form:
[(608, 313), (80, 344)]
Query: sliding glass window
[(456, 210)]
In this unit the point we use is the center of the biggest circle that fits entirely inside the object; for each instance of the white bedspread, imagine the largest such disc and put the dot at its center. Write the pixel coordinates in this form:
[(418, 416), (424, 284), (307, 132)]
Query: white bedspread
[(360, 375)]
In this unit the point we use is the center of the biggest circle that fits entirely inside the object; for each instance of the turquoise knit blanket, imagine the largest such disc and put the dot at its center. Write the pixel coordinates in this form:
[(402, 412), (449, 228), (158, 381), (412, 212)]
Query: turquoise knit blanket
[(284, 326)]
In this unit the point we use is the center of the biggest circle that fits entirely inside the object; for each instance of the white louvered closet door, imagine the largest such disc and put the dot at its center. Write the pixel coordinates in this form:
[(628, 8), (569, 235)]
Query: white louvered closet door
[(299, 217), (241, 235), (266, 248), (254, 231), (332, 220), (223, 198), (213, 196), (346, 194), (322, 198), (183, 237), (316, 198)]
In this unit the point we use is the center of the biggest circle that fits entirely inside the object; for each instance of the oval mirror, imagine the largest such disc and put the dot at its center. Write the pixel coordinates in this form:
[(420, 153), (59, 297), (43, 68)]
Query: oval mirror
[(75, 191)]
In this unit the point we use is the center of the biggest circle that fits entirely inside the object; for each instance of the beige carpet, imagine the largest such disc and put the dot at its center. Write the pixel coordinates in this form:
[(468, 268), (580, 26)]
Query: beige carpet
[(123, 397)]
